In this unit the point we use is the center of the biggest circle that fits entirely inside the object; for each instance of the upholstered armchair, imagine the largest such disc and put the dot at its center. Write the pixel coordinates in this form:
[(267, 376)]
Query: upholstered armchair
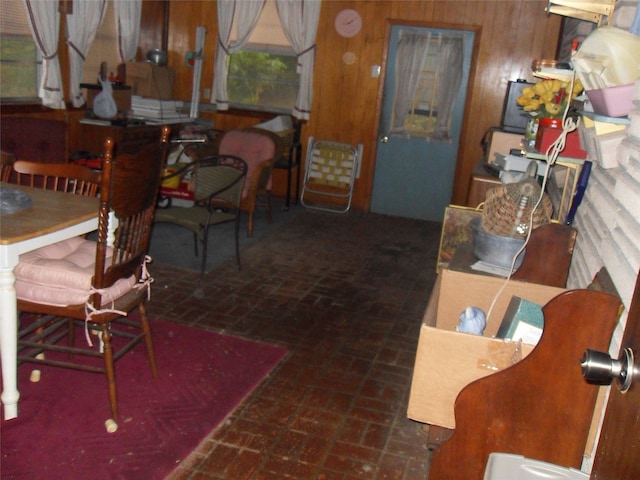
[(260, 149)]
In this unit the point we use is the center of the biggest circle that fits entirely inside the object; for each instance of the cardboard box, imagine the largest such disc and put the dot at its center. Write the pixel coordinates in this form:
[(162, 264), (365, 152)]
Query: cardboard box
[(503, 142), (447, 361), (149, 80), (547, 135)]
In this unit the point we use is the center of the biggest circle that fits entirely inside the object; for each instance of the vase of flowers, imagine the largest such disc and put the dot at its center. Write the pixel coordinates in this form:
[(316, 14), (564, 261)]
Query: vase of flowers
[(546, 99)]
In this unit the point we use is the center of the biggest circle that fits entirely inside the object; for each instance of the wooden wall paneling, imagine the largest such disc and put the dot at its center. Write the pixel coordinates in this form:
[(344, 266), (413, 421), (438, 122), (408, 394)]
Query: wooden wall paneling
[(502, 58), (374, 40), (346, 97), (494, 66), (74, 130), (447, 13), (470, 12), (153, 27), (184, 18)]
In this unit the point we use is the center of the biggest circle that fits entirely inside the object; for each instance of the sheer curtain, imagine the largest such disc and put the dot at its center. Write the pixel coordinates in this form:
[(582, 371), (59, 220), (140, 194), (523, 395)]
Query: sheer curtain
[(450, 59), (413, 48), (82, 26), (44, 21), (300, 23), (127, 13), (246, 15)]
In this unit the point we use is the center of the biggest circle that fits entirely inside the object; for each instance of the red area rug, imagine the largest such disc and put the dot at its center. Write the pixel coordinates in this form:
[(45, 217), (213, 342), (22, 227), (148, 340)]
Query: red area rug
[(60, 431)]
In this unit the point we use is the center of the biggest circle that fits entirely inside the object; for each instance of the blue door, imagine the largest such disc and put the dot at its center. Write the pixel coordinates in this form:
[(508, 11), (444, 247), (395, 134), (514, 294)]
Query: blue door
[(424, 93)]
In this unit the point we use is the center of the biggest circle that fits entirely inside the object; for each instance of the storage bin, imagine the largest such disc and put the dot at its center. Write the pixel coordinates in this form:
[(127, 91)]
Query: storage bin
[(447, 361), (612, 101)]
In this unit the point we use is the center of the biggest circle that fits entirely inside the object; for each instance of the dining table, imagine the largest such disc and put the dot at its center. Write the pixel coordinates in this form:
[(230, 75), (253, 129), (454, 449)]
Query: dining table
[(51, 217)]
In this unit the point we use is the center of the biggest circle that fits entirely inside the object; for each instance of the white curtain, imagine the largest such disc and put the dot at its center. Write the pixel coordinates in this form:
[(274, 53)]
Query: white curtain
[(300, 23), (127, 13), (245, 14), (413, 48), (44, 21), (450, 60), (82, 26)]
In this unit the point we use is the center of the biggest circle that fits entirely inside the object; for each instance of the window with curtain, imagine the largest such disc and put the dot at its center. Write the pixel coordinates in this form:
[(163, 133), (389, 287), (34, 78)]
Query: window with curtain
[(422, 116), (264, 73), (20, 61), (425, 95)]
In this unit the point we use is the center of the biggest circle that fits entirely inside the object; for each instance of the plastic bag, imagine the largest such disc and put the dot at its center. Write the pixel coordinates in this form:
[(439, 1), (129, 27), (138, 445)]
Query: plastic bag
[(104, 106), (13, 200)]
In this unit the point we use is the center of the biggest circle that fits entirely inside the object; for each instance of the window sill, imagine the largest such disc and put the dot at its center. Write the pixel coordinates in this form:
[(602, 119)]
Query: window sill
[(22, 106), (237, 107)]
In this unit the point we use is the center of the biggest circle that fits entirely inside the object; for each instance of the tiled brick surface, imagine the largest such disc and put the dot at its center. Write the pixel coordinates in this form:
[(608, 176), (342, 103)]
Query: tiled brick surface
[(345, 294)]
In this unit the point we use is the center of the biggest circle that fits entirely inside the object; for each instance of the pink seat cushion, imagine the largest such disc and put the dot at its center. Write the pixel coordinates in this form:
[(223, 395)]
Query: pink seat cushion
[(252, 147), (61, 274)]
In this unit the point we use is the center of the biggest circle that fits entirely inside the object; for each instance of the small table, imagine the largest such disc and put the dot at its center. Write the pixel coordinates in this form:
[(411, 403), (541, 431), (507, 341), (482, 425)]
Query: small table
[(55, 216)]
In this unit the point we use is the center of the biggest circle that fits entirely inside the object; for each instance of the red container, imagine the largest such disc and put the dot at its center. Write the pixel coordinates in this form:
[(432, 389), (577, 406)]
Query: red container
[(549, 129)]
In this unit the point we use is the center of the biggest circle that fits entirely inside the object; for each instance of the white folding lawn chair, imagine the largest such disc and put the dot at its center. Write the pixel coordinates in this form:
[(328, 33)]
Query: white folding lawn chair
[(330, 173)]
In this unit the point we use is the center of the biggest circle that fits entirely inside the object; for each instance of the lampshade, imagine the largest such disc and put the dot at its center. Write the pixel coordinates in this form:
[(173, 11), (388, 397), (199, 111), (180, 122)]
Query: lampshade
[(507, 209)]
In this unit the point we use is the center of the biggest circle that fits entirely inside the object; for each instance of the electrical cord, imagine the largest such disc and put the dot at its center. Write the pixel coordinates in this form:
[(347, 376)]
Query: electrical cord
[(551, 155)]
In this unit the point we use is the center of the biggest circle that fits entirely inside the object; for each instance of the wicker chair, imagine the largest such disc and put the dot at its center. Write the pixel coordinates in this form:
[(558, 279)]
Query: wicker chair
[(218, 183), (260, 149)]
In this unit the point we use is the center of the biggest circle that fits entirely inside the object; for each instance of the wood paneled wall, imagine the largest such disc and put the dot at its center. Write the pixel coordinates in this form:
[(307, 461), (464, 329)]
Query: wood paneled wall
[(346, 97)]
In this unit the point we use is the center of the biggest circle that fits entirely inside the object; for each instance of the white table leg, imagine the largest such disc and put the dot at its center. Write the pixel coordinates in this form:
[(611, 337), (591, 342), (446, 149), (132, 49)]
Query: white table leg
[(8, 331)]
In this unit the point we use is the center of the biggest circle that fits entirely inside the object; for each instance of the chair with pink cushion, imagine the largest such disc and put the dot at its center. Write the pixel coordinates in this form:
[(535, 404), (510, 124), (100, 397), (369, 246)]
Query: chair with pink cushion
[(94, 286), (260, 149)]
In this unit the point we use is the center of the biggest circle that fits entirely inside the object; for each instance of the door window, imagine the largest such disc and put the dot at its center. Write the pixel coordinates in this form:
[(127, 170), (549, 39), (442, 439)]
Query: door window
[(431, 73)]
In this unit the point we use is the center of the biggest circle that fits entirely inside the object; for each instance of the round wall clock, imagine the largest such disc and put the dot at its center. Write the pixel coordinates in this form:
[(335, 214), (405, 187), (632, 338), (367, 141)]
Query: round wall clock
[(348, 23)]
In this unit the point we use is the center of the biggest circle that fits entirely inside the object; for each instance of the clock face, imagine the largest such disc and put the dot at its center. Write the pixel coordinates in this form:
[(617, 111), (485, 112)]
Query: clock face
[(348, 23)]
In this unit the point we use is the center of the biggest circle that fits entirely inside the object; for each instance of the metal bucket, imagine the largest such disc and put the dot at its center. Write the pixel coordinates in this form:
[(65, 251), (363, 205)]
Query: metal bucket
[(496, 249)]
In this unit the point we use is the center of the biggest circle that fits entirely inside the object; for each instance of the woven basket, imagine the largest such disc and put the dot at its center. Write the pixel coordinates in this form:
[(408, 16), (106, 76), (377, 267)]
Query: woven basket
[(507, 209)]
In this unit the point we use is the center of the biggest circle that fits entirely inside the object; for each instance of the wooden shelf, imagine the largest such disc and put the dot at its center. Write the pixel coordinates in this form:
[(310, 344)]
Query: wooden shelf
[(595, 11)]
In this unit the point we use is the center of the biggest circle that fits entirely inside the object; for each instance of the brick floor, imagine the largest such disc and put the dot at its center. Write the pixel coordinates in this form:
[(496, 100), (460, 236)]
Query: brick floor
[(345, 294)]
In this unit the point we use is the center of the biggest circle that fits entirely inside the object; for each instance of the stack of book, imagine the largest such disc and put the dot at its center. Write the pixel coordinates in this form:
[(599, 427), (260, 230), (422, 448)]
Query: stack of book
[(158, 111)]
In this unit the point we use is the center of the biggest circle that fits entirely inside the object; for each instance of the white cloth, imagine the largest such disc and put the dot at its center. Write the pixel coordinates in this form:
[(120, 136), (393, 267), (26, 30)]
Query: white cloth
[(128, 14), (82, 26), (44, 21), (300, 23), (246, 15)]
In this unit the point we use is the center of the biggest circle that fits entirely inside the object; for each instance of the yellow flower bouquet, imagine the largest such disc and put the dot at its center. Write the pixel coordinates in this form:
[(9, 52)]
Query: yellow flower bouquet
[(548, 98)]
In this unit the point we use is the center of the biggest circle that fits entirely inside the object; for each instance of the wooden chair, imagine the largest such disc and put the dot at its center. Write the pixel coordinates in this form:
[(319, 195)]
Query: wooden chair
[(7, 160), (107, 281), (260, 149), (218, 182), (63, 177)]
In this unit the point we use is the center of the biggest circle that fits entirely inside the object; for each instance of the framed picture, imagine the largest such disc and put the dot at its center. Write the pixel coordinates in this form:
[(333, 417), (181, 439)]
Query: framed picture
[(456, 231)]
